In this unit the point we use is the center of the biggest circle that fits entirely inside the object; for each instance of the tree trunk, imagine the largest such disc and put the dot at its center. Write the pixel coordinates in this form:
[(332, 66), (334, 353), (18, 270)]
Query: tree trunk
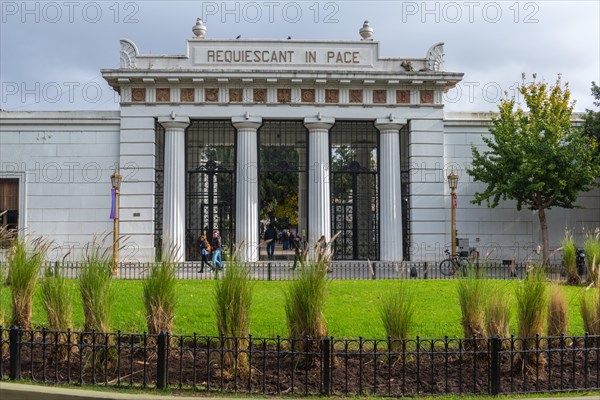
[(544, 226)]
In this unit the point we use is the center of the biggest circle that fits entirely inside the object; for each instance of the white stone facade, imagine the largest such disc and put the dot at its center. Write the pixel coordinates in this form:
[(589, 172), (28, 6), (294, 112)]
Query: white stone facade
[(64, 160)]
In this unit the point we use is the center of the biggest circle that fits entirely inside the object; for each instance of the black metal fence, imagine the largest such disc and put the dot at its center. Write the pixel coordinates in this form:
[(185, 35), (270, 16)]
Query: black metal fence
[(350, 270), (279, 366)]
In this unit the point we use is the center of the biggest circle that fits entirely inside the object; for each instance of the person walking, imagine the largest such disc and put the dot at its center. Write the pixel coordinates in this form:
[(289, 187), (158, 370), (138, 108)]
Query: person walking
[(204, 253), (270, 237), (298, 247), (217, 250)]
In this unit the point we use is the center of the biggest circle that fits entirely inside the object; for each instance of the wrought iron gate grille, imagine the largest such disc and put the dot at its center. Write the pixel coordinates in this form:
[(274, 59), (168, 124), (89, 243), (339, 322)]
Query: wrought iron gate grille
[(210, 183), (405, 172), (282, 175), (355, 189)]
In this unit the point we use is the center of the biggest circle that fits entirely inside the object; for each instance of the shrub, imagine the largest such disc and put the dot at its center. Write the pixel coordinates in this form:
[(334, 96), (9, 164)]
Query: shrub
[(159, 297), (305, 302), (57, 299), (24, 265), (570, 259), (233, 298), (397, 310), (497, 314), (591, 248), (590, 310), (531, 308), (472, 290), (95, 286), (531, 304), (558, 312)]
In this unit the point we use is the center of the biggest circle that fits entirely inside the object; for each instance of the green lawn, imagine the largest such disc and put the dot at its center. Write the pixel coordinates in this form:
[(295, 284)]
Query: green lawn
[(351, 308)]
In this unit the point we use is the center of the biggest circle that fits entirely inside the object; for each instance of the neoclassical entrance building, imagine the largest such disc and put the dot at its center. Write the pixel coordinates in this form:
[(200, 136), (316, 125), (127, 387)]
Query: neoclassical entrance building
[(363, 138), (219, 114)]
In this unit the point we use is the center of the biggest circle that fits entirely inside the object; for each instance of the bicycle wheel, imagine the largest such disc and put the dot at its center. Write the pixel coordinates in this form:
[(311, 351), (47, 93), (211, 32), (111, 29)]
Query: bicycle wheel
[(446, 267)]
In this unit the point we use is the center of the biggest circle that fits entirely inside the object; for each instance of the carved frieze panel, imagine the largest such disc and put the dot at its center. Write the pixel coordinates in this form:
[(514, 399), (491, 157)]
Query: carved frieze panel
[(332, 96), (138, 94), (284, 95), (187, 95), (356, 96), (211, 95), (259, 95), (402, 96), (307, 95), (426, 96), (236, 95), (163, 95), (379, 96)]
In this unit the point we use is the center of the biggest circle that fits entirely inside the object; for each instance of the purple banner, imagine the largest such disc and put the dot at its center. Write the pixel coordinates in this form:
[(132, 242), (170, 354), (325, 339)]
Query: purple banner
[(114, 203)]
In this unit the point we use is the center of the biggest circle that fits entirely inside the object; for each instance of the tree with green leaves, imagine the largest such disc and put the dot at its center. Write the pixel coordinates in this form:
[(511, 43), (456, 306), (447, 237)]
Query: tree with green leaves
[(536, 157), (591, 121)]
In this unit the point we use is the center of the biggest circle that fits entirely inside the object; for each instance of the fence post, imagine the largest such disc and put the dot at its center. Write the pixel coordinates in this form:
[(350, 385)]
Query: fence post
[(326, 366), (269, 271), (161, 363), (495, 366), (425, 271), (14, 349)]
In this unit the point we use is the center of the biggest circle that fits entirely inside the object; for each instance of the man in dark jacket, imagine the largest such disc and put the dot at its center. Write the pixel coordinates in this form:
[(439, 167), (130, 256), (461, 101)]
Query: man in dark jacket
[(270, 237)]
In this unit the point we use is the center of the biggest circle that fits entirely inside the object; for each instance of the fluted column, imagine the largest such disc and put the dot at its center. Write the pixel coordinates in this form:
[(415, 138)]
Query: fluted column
[(390, 189), (319, 193), (246, 189), (174, 187)]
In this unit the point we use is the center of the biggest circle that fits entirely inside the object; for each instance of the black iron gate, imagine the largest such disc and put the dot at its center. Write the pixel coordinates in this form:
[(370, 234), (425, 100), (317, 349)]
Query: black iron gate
[(210, 184), (355, 190)]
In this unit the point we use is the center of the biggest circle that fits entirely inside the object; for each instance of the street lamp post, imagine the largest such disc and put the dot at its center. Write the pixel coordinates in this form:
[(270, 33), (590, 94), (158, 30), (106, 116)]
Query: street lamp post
[(115, 180), (453, 183)]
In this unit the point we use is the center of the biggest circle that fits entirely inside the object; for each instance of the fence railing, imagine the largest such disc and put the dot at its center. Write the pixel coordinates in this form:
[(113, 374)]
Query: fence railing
[(281, 366), (343, 270)]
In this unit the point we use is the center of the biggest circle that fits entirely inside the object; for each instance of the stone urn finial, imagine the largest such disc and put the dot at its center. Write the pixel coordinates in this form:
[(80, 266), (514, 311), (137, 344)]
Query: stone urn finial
[(366, 32), (199, 29)]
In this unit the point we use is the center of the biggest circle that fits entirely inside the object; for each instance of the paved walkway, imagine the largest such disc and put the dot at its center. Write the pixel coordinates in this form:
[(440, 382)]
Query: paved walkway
[(20, 391)]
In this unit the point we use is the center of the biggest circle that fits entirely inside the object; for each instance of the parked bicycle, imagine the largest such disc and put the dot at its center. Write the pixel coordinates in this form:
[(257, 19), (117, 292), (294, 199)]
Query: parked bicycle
[(449, 267)]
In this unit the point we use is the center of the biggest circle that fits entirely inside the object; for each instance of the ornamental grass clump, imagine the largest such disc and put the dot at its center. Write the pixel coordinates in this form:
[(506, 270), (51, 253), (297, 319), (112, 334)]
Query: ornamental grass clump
[(472, 291), (591, 248), (497, 314), (24, 265), (233, 298), (558, 312), (57, 298), (397, 310), (305, 302), (532, 304), (160, 297), (97, 295), (590, 308), (96, 288), (570, 259)]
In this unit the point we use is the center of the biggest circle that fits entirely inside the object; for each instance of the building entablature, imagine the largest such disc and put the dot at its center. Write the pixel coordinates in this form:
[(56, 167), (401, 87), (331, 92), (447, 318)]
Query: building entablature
[(281, 71)]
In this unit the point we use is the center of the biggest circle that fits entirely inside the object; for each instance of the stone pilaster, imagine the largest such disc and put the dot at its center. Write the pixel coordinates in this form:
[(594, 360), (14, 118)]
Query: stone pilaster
[(246, 193), (174, 186), (319, 192), (390, 189)]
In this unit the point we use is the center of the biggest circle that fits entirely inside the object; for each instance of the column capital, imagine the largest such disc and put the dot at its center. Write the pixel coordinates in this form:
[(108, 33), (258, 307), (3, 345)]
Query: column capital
[(174, 121), (246, 121), (319, 122), (390, 123)]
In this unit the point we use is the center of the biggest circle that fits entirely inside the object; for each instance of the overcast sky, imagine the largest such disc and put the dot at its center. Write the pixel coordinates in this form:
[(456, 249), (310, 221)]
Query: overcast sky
[(51, 53)]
